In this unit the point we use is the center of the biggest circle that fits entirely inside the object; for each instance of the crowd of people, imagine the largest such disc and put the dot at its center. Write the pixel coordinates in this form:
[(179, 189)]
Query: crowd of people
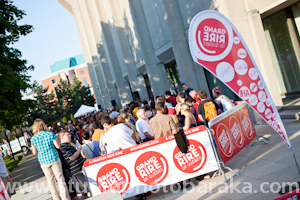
[(63, 148)]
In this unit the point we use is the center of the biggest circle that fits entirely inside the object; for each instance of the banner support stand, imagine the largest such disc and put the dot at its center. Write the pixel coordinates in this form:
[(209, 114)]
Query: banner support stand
[(221, 164), (290, 147), (258, 140)]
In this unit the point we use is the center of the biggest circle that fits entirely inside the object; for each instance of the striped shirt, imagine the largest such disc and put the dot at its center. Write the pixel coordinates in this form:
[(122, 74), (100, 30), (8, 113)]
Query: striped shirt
[(3, 171), (43, 143), (75, 166)]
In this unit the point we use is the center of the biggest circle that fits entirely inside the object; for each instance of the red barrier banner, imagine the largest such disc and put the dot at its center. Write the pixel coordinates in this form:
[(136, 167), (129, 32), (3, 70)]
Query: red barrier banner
[(295, 195), (151, 165), (3, 192), (233, 130), (216, 45)]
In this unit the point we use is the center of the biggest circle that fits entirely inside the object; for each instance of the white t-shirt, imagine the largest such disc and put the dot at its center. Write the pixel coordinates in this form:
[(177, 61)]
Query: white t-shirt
[(117, 137), (142, 127), (88, 152), (226, 103)]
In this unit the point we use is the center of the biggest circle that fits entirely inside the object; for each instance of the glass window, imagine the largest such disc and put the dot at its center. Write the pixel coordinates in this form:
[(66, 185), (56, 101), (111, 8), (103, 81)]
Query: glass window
[(82, 72), (282, 38), (85, 82), (54, 81)]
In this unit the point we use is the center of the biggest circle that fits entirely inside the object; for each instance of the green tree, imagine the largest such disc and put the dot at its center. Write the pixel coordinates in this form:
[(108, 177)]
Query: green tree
[(54, 108), (13, 70)]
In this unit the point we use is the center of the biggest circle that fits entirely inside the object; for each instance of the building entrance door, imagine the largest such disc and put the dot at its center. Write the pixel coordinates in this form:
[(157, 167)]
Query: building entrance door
[(282, 35), (173, 77)]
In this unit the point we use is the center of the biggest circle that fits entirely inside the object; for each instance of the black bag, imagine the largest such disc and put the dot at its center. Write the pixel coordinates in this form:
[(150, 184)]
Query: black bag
[(181, 141)]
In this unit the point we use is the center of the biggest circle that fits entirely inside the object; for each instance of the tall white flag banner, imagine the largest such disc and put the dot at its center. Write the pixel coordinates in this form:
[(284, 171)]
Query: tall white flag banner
[(217, 45)]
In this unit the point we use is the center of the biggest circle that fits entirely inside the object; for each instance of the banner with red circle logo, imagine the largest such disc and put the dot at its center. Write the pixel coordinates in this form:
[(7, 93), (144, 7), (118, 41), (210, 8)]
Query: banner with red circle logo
[(151, 165), (216, 45), (3, 192), (233, 130)]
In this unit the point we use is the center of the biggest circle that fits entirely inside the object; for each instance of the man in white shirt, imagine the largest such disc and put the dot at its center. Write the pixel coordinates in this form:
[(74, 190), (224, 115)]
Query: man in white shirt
[(117, 137), (143, 126)]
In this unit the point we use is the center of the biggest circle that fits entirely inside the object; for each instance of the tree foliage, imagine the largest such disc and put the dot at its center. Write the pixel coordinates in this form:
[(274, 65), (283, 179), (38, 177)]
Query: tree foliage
[(54, 108), (13, 70)]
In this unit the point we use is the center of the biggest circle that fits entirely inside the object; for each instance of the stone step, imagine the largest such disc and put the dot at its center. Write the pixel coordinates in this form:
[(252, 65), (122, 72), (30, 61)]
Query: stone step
[(292, 107), (290, 114)]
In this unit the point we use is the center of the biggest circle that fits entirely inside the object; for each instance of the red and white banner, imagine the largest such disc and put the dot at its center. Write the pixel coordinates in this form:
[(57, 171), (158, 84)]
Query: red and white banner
[(3, 192), (233, 130), (295, 195), (151, 165), (217, 45)]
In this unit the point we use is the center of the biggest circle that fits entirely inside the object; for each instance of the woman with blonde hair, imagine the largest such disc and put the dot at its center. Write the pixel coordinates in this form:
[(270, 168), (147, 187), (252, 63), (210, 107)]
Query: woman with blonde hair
[(125, 119), (44, 144), (189, 121)]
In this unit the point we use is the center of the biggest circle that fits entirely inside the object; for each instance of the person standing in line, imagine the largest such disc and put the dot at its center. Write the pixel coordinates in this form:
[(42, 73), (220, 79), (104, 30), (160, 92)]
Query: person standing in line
[(162, 124), (223, 101), (117, 137), (136, 107), (125, 119), (90, 149), (43, 143), (172, 99), (97, 132), (74, 160), (6, 177), (189, 120), (143, 126), (186, 89), (208, 109)]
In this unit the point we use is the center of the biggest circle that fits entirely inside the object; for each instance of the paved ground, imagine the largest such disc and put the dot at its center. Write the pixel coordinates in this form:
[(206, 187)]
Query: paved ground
[(27, 175), (257, 165)]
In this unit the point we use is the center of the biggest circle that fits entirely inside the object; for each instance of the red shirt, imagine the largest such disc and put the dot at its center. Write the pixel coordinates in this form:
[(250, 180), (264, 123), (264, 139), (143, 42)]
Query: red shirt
[(173, 100), (196, 105)]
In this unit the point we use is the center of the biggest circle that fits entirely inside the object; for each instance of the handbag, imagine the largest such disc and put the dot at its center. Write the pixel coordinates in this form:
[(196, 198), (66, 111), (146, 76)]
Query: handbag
[(181, 141)]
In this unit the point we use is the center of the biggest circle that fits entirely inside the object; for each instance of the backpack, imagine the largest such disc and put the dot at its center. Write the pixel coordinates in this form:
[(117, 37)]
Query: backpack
[(210, 110)]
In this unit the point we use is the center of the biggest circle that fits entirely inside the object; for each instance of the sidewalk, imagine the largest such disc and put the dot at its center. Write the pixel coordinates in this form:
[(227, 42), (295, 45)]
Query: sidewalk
[(29, 171), (258, 166)]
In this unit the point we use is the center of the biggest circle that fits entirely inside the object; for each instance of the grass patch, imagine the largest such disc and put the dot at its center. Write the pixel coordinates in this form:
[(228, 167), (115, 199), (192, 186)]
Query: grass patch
[(10, 164)]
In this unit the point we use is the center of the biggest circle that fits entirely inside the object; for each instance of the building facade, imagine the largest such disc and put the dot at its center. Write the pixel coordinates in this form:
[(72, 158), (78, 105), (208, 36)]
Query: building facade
[(66, 70), (137, 48)]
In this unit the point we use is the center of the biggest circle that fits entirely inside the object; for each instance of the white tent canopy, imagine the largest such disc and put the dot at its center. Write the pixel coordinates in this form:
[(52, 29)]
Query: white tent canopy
[(84, 110)]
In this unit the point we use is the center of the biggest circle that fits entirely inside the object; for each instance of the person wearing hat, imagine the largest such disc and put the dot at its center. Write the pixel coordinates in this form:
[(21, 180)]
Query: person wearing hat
[(186, 89)]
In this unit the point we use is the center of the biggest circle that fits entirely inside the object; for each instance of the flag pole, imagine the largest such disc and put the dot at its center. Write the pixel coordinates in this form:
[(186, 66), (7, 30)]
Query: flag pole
[(290, 147)]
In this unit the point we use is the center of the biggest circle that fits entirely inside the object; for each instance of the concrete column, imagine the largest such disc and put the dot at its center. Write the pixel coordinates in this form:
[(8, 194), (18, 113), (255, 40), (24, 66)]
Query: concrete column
[(181, 50), (264, 60), (110, 51), (156, 73), (117, 27), (121, 94), (94, 55), (88, 59)]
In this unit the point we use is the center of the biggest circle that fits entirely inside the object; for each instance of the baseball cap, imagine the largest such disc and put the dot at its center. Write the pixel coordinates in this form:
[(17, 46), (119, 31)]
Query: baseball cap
[(182, 84)]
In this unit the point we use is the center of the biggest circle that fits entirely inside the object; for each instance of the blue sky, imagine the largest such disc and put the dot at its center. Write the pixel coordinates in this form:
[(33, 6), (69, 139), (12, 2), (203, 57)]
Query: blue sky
[(54, 36)]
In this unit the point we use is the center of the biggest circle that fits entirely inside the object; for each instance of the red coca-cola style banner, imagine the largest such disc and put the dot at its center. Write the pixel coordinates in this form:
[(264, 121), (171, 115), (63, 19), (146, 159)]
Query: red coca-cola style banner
[(216, 45), (152, 164), (233, 130)]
